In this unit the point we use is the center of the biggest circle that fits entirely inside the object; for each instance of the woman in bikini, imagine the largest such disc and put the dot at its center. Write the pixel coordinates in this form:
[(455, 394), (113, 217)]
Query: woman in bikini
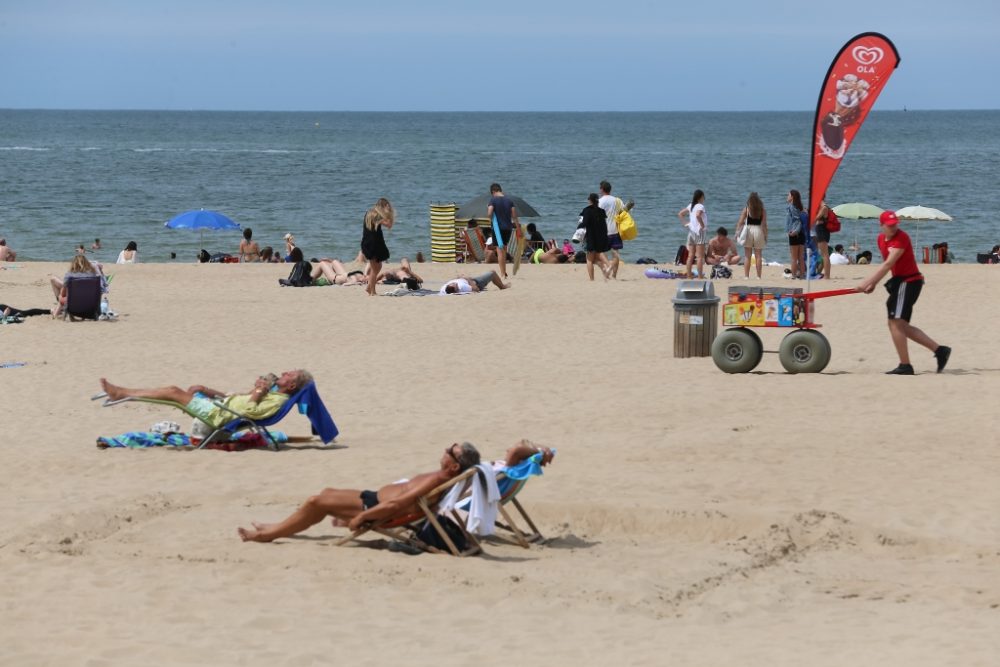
[(249, 250)]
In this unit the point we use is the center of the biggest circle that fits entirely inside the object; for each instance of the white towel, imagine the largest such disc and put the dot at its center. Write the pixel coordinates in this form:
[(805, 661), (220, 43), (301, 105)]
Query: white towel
[(485, 501)]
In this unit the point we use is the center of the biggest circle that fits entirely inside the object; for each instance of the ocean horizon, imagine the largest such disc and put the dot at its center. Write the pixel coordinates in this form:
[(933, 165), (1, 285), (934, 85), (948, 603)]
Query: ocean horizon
[(72, 176)]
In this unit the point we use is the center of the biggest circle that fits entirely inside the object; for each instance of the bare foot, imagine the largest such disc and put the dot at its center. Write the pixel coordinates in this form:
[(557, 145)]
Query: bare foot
[(250, 535), (337, 522), (114, 392)]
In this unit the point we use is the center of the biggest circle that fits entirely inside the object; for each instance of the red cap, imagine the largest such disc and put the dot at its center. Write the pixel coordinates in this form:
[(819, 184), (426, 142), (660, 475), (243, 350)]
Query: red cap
[(888, 218)]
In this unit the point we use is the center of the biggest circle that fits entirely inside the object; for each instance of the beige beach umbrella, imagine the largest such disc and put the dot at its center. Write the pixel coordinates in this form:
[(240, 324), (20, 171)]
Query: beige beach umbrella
[(919, 213), (857, 211), (922, 213)]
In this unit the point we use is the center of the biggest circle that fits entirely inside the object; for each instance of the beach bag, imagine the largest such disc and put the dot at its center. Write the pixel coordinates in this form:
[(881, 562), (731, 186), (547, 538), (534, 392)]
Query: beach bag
[(431, 537), (832, 222), (682, 255), (300, 275), (741, 237), (719, 271), (626, 224)]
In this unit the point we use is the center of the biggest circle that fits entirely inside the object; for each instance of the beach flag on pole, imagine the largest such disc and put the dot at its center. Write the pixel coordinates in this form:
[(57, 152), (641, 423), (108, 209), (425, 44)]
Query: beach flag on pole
[(856, 77)]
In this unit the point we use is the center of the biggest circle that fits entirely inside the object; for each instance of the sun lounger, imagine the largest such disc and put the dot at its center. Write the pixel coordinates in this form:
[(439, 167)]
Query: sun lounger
[(306, 399)]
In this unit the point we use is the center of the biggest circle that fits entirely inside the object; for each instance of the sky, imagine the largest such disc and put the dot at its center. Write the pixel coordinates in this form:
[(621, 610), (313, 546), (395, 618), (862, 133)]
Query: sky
[(437, 55)]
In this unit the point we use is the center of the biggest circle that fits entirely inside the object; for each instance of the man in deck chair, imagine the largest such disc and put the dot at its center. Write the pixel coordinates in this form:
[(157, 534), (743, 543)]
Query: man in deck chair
[(260, 403), (353, 508)]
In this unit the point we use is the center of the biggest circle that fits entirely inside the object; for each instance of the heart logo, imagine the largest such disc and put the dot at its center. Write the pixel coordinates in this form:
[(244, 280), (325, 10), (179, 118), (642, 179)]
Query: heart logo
[(867, 55)]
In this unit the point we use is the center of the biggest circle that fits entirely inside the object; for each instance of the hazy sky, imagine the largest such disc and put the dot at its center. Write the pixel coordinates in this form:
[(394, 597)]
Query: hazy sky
[(576, 55)]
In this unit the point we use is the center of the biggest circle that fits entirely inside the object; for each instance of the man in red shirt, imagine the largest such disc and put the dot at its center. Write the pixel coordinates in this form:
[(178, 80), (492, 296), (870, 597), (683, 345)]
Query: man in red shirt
[(904, 290)]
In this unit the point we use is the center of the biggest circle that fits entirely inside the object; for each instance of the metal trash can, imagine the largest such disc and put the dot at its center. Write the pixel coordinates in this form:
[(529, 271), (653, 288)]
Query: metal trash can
[(696, 318)]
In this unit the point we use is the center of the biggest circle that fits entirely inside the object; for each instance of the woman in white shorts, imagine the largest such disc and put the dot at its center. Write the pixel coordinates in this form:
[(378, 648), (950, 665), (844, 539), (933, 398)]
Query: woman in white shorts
[(695, 218), (755, 218)]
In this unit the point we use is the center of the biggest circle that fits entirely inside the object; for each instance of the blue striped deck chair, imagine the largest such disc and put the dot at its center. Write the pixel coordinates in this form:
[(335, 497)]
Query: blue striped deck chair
[(511, 481)]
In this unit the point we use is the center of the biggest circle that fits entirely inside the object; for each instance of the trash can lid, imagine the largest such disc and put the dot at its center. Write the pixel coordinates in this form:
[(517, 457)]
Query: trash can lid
[(695, 292)]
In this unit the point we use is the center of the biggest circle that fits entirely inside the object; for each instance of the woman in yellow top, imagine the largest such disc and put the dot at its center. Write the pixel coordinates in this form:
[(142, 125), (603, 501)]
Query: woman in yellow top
[(267, 396)]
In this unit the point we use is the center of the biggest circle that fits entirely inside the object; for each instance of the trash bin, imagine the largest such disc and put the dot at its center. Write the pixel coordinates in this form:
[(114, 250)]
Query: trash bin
[(696, 321)]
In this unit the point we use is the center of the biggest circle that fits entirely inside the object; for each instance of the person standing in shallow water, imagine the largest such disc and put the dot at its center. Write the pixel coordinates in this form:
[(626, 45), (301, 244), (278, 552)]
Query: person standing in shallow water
[(373, 246)]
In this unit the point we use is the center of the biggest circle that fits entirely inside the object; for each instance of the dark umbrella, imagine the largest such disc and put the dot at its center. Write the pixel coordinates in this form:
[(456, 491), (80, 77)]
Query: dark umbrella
[(476, 208), (201, 220)]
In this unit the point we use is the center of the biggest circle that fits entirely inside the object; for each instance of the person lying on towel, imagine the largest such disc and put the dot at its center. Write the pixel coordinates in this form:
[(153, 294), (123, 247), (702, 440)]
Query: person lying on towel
[(465, 285), (353, 508), (268, 395)]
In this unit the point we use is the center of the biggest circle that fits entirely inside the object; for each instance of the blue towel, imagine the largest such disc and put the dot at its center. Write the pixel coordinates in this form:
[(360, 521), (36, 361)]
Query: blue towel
[(311, 405)]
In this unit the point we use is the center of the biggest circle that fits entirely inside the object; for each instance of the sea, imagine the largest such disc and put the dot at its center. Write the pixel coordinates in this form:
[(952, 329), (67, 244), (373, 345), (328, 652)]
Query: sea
[(69, 177)]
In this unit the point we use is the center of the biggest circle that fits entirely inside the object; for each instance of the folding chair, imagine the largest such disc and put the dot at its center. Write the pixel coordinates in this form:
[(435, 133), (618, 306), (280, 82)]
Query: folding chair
[(405, 529), (475, 244), (511, 481), (307, 399), (83, 297)]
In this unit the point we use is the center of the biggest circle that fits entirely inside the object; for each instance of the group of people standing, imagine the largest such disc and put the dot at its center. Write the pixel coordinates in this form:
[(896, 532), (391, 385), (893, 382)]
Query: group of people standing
[(752, 233)]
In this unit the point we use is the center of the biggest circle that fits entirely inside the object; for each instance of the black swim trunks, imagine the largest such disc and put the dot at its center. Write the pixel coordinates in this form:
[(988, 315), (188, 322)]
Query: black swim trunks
[(369, 499)]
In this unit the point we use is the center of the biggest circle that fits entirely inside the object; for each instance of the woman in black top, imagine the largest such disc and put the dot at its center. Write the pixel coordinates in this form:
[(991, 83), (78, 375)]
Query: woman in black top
[(754, 217), (594, 220), (373, 245)]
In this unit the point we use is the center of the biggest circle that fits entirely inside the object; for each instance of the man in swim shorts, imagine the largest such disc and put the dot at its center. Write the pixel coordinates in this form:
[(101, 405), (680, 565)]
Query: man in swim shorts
[(266, 398), (904, 290), (354, 508)]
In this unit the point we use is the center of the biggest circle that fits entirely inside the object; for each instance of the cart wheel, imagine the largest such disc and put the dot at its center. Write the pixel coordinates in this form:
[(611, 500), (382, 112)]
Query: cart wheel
[(804, 351), (737, 350)]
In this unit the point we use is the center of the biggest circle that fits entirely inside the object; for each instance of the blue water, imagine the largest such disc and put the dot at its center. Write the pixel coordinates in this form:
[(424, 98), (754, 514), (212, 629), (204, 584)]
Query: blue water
[(67, 177)]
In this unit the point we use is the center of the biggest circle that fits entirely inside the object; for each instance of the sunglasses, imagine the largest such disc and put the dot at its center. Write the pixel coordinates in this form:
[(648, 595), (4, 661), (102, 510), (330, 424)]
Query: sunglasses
[(452, 455)]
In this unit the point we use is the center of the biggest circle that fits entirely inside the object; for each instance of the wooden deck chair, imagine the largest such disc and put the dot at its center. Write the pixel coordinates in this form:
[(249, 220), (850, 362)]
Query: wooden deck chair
[(509, 496), (405, 529), (475, 243), (306, 399), (510, 486), (83, 297)]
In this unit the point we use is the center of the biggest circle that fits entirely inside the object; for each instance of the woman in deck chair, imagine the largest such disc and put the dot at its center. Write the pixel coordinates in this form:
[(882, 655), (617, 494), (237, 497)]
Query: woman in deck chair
[(266, 398), (80, 266), (353, 508)]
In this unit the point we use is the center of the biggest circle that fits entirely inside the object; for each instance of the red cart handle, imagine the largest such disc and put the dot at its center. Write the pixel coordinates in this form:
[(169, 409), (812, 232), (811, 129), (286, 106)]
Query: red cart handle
[(822, 295)]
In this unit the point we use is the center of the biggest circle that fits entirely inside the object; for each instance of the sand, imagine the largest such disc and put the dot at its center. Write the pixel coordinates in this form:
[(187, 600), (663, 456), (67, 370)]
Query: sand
[(692, 517)]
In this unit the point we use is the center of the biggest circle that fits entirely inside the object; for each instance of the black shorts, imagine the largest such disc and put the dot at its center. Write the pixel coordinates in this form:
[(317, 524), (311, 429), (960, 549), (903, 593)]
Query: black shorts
[(822, 236), (369, 499), (504, 235), (902, 296), (797, 239)]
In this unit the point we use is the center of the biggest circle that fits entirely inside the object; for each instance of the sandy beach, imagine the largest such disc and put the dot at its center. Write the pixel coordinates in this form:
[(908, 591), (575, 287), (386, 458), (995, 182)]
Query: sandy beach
[(692, 517)]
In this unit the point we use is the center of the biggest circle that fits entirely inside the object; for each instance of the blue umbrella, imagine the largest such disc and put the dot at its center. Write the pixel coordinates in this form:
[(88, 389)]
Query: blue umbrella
[(202, 220)]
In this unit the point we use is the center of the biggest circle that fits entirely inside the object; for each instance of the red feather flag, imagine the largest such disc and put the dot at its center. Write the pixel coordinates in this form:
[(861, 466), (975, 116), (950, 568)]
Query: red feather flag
[(856, 77)]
